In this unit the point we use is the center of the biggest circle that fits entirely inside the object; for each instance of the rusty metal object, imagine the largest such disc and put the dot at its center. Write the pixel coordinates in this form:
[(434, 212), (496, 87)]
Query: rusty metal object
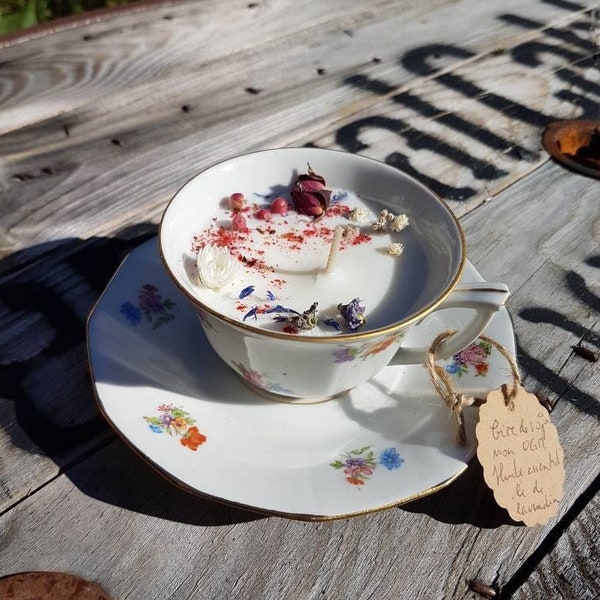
[(45, 585), (575, 144)]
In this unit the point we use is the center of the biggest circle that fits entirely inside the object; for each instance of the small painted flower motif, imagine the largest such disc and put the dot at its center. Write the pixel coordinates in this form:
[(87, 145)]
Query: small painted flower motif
[(132, 313), (358, 465), (260, 379), (343, 354), (177, 423), (476, 356), (390, 459), (151, 305), (347, 353), (192, 438)]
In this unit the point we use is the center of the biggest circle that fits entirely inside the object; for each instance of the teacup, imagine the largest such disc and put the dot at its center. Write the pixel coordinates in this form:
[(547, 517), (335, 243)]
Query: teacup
[(300, 311)]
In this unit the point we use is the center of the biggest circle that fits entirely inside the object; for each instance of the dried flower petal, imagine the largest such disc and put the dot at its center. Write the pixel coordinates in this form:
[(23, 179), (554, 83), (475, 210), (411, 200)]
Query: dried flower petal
[(359, 214), (395, 249), (330, 322), (308, 319), (216, 266), (246, 292), (399, 222), (379, 225), (353, 313), (310, 194)]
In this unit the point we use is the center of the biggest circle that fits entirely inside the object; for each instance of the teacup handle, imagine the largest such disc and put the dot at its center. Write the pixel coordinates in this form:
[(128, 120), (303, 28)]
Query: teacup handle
[(483, 297)]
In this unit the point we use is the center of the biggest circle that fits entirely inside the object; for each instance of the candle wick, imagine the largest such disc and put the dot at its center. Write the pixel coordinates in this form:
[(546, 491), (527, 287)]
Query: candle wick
[(334, 248)]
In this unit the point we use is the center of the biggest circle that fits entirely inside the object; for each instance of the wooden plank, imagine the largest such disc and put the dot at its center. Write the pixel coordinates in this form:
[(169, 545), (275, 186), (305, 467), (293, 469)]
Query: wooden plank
[(140, 537), (570, 569), (48, 414), (122, 133)]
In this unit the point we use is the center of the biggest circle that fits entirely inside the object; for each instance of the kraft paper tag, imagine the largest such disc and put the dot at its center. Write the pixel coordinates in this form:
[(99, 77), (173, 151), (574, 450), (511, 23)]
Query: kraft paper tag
[(521, 455)]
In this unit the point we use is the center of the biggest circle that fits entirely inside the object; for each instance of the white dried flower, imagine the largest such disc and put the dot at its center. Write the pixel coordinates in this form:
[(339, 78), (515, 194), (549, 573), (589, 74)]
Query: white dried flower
[(359, 214), (380, 223), (399, 223), (216, 266), (395, 249)]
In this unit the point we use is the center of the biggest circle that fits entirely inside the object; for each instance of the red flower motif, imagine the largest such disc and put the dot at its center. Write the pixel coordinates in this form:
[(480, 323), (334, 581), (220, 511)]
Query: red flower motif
[(192, 438), (355, 481), (482, 368)]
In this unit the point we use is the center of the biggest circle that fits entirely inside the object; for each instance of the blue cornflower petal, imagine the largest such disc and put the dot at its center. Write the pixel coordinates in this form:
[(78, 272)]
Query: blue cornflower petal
[(332, 323), (280, 308), (270, 296), (251, 313), (246, 291)]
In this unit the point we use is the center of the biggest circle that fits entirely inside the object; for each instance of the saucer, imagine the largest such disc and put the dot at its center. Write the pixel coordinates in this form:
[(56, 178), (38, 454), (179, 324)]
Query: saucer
[(163, 389)]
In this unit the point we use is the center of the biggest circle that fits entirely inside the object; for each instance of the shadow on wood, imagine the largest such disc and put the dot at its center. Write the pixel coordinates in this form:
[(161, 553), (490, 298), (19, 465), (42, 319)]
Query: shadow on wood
[(465, 500)]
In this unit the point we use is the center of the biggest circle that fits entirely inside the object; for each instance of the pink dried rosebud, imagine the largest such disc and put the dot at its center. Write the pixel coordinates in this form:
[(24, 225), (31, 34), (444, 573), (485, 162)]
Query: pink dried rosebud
[(238, 223), (237, 201), (310, 194), (279, 206), (263, 214)]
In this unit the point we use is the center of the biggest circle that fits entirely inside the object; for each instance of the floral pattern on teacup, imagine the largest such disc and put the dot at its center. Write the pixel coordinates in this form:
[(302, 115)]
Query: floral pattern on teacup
[(358, 465), (476, 356), (151, 306), (176, 422), (349, 353), (260, 380)]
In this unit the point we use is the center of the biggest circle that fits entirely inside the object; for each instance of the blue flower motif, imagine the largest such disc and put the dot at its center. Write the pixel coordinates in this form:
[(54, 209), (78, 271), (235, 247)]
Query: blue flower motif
[(390, 459), (156, 428), (132, 313), (453, 368), (270, 296)]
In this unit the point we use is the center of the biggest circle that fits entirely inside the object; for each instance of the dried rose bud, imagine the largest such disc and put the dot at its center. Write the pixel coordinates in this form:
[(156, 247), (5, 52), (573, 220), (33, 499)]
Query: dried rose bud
[(263, 214), (310, 194), (238, 223), (279, 206), (237, 201)]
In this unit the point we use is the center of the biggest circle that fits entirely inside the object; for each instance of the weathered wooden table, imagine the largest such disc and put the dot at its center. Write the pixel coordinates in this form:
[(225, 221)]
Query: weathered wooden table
[(102, 119)]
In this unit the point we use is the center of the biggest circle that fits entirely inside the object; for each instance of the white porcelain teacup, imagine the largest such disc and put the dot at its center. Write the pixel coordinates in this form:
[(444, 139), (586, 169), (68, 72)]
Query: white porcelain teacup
[(274, 270)]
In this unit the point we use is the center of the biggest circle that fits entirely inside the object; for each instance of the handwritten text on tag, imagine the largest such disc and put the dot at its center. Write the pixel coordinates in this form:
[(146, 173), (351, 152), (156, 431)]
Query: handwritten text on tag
[(521, 456)]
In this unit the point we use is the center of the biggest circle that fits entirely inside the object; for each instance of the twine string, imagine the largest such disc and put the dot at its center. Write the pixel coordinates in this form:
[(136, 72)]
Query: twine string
[(447, 390)]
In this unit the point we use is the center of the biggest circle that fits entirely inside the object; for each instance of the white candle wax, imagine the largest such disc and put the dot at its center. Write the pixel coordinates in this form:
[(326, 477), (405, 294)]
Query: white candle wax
[(287, 262)]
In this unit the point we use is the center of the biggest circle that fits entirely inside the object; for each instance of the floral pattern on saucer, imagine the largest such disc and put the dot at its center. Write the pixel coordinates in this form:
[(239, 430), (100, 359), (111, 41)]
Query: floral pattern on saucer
[(350, 353), (260, 380), (358, 465), (150, 306), (176, 422), (476, 355)]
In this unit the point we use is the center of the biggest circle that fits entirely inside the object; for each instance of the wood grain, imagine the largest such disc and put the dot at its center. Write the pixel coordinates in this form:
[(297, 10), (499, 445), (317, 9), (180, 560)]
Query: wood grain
[(570, 569), (95, 139)]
